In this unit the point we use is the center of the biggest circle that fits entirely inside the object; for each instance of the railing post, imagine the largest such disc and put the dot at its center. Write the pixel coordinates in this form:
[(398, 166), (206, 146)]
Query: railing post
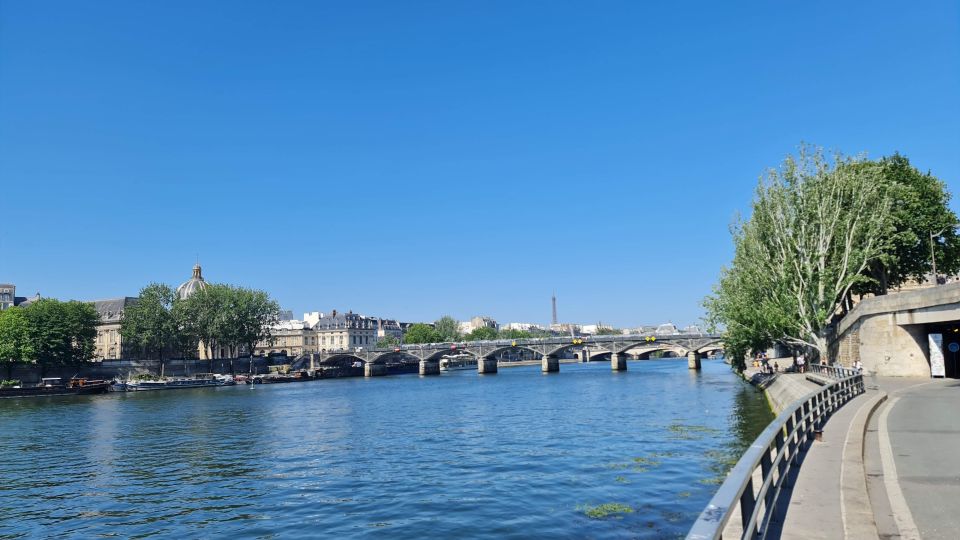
[(765, 466), (747, 503)]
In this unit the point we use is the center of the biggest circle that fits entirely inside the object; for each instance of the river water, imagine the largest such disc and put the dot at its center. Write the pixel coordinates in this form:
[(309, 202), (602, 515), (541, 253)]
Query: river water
[(584, 453)]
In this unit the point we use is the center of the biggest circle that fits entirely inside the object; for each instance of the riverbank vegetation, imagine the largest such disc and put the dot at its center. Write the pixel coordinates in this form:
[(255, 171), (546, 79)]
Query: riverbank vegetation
[(447, 330), (160, 324), (48, 332), (823, 229)]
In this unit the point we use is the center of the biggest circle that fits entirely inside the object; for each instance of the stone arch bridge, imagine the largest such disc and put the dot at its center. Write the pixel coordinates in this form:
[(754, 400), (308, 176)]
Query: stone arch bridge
[(617, 347)]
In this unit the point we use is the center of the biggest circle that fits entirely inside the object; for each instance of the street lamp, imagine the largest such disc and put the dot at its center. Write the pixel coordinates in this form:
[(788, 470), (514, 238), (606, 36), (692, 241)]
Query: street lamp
[(933, 258)]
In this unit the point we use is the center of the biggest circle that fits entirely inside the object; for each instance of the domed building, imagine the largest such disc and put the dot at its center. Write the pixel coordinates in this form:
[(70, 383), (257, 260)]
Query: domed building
[(186, 290), (192, 285)]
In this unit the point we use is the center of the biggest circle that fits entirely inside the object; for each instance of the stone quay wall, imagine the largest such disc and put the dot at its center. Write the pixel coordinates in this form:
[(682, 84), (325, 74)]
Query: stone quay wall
[(124, 369)]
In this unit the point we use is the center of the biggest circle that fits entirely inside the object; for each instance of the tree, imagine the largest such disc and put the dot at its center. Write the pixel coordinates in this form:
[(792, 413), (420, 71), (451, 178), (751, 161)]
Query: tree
[(448, 328), (608, 331), (484, 333), (919, 211), (815, 228), (202, 315), (422, 333), (15, 343), (515, 334), (388, 342), (186, 340), (226, 316), (62, 332), (149, 324), (252, 312), (81, 319)]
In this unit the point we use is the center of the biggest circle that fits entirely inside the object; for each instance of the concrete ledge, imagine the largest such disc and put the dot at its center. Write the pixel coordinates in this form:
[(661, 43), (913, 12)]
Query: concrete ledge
[(901, 301), (855, 507)]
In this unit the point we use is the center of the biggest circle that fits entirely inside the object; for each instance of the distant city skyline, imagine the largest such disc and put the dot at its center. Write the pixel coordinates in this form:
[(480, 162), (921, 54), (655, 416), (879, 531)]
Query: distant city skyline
[(415, 160)]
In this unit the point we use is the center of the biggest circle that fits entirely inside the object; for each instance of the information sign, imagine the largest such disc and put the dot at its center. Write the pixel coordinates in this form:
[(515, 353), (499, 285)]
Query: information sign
[(936, 355)]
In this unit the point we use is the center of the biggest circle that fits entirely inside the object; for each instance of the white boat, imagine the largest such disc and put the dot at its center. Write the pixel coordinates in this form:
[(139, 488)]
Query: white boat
[(458, 362), (173, 384)]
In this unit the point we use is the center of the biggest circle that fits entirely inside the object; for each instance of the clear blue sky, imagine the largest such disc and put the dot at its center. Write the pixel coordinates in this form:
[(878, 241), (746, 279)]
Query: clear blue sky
[(415, 159)]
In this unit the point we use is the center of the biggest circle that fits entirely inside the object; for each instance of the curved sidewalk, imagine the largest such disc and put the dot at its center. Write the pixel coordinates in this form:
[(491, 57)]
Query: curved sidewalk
[(901, 438), (817, 508), (916, 455)]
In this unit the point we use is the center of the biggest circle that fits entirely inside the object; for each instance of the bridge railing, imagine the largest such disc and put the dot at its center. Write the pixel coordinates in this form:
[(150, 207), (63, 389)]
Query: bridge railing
[(834, 372), (755, 483), (552, 340)]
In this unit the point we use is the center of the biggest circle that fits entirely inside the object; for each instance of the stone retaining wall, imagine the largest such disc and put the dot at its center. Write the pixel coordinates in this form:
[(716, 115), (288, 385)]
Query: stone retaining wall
[(123, 369)]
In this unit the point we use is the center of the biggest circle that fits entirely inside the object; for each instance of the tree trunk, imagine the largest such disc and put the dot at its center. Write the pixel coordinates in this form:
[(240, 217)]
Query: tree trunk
[(822, 348)]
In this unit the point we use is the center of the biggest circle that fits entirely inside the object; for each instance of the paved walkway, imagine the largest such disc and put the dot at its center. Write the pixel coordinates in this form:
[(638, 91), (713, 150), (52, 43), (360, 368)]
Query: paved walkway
[(907, 457), (815, 510), (918, 433)]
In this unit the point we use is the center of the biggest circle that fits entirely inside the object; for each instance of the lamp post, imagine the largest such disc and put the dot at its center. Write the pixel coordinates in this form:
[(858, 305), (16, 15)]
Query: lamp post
[(933, 258)]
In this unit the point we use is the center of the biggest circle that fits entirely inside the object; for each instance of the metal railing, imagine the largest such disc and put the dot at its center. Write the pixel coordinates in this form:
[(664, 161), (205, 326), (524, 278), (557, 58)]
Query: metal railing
[(834, 372), (777, 452)]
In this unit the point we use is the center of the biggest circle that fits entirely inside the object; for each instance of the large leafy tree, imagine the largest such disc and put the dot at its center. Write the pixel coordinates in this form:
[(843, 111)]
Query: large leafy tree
[(484, 333), (515, 334), (202, 315), (149, 324), (61, 332), (422, 333), (448, 328), (227, 316), (387, 342), (252, 313), (608, 331), (81, 320), (15, 343), (816, 226), (922, 222)]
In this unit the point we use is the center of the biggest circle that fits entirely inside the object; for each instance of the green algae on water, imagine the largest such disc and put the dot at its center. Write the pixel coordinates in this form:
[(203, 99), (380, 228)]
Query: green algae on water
[(606, 510)]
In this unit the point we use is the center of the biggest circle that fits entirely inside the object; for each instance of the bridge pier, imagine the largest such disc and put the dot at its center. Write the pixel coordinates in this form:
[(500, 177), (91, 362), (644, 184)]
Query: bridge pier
[(585, 355), (618, 361), (374, 370), (550, 364), (486, 365), (429, 368), (693, 360)]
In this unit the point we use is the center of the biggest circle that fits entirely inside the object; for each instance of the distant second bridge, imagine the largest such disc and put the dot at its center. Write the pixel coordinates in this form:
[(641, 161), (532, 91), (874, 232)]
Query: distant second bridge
[(548, 350)]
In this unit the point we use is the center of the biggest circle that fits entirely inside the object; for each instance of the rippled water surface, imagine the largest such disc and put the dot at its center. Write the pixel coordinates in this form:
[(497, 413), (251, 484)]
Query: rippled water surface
[(584, 453)]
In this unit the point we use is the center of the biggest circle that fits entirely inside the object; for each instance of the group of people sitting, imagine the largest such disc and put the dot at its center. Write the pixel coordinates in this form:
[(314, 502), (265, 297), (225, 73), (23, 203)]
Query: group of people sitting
[(762, 361)]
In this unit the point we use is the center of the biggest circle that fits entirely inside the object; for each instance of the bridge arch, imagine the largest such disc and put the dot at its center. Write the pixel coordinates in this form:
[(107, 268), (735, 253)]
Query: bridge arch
[(435, 356), (643, 351), (404, 357), (710, 347), (495, 353), (594, 348)]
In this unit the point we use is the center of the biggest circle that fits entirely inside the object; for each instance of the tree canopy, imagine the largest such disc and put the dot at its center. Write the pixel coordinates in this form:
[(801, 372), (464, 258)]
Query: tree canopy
[(227, 316), (484, 333), (515, 334), (816, 226), (218, 316), (149, 323), (447, 328), (608, 331), (15, 342), (921, 221), (49, 331), (387, 342), (422, 333)]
